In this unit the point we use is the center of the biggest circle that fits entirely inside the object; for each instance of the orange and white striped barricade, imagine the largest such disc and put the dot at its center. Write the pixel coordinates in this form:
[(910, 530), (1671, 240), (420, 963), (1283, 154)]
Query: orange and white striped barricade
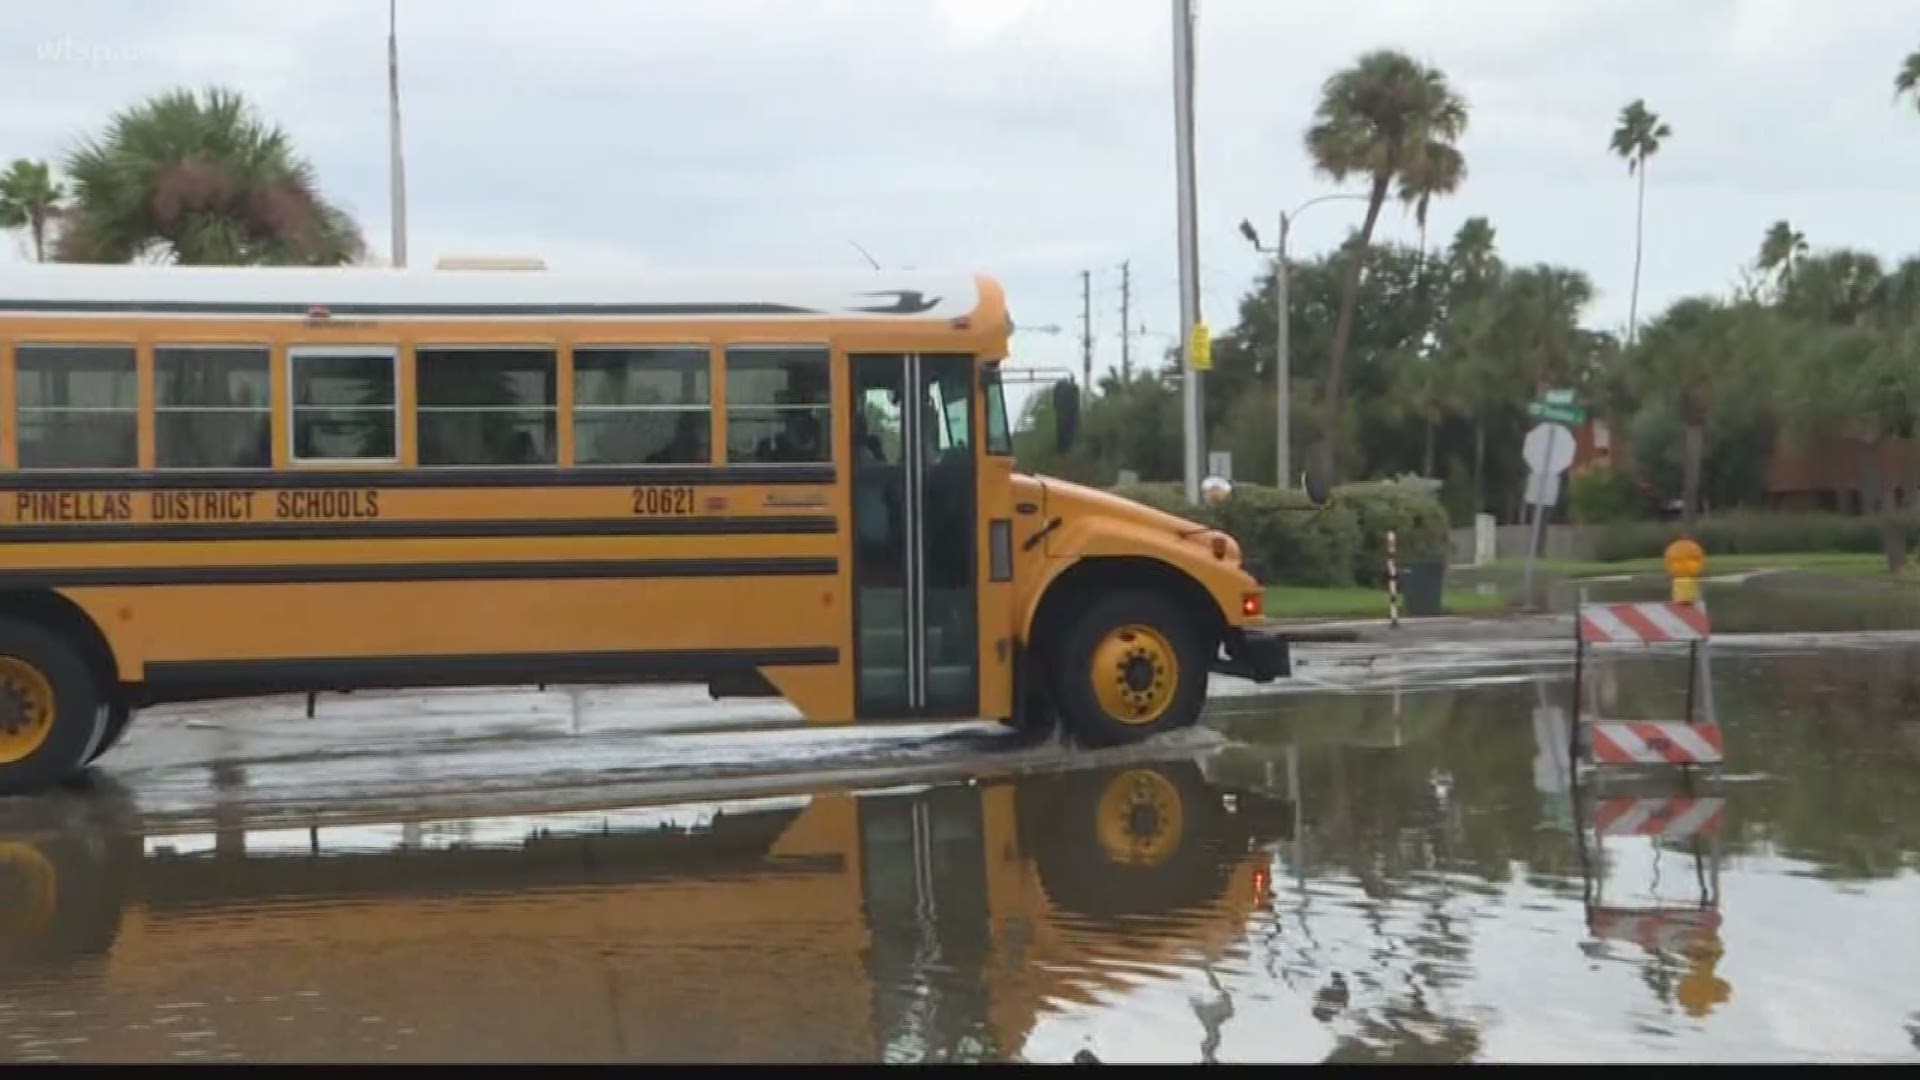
[(1686, 742)]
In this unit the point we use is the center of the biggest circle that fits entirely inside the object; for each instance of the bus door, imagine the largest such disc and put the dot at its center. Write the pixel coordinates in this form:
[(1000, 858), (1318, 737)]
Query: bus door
[(916, 649)]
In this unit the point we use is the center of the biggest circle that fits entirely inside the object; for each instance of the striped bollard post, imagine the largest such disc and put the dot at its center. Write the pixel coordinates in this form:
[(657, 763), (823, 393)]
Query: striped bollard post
[(1393, 579)]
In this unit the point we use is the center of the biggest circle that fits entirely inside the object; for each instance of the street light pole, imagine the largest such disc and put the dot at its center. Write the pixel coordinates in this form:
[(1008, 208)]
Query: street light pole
[(1189, 243), (1283, 335), (396, 170)]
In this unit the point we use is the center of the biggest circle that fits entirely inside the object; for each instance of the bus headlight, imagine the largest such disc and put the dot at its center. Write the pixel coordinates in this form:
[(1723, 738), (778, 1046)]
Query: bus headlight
[(1216, 490)]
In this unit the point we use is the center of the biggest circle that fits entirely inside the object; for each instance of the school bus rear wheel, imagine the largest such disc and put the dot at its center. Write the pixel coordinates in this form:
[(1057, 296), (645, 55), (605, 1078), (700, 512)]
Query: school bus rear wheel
[(50, 714), (1131, 666)]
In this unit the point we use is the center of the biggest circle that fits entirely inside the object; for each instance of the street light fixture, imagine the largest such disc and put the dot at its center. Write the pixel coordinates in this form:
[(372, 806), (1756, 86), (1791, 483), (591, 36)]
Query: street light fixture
[(1283, 375)]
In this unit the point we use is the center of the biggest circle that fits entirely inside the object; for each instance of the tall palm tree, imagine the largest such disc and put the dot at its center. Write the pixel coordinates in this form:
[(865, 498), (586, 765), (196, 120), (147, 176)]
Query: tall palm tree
[(1379, 119), (30, 199), (200, 179), (1637, 139), (1780, 248), (1439, 171), (1906, 82)]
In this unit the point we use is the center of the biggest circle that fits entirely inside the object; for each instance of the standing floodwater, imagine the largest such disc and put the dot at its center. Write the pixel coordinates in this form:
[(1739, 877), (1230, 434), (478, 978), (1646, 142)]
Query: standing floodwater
[(1350, 876)]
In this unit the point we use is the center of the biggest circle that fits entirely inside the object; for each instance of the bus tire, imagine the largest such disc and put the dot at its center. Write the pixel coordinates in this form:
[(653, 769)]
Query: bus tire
[(1131, 666), (52, 711), (119, 715)]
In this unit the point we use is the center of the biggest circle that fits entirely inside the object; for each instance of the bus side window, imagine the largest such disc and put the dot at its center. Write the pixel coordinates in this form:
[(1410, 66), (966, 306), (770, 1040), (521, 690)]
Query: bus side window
[(487, 405), (779, 408), (79, 406), (212, 407), (642, 405), (344, 402)]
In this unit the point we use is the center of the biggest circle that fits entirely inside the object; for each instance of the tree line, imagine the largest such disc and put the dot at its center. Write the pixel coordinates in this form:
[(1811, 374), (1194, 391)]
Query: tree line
[(1406, 360)]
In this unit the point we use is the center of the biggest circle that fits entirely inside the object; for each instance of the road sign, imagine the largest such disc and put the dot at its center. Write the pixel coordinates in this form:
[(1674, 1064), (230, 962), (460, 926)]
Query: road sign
[(1558, 397), (1220, 464), (1543, 490), (1549, 448), (1200, 348), (1561, 414)]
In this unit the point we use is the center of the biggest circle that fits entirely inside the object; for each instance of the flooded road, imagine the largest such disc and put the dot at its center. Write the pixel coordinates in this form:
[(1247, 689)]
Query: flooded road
[(1344, 873)]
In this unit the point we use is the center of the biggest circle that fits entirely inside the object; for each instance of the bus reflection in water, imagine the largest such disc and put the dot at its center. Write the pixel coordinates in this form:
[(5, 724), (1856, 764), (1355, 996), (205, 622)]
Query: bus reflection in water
[(932, 923)]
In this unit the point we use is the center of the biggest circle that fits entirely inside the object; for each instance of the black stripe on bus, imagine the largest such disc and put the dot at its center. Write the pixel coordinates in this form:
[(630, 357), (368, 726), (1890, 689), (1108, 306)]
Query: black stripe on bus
[(421, 571), (664, 476), (350, 310), (186, 679), (137, 532)]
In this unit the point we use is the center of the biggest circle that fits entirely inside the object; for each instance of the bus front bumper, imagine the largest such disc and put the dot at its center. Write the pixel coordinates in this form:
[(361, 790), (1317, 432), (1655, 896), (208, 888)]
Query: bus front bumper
[(1261, 654)]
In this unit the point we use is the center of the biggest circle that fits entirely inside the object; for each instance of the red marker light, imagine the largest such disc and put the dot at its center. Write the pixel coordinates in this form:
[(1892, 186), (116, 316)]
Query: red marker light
[(318, 311), (1250, 603), (1219, 547)]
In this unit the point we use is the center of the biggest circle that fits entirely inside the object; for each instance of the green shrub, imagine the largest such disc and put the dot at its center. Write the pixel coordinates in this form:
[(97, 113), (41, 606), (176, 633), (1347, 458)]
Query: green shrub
[(1602, 495), (1286, 541), (1417, 520), (1751, 533)]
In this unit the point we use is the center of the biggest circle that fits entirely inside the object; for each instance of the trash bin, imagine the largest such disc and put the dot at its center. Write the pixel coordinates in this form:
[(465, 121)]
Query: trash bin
[(1420, 586)]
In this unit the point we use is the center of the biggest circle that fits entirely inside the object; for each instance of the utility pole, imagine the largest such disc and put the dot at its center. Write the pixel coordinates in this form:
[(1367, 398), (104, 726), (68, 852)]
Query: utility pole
[(1126, 323), (397, 172), (1189, 240), (1086, 336), (1283, 364)]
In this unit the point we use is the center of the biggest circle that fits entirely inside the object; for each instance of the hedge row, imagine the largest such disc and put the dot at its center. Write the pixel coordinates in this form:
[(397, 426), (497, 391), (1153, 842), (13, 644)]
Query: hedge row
[(1753, 533), (1288, 541)]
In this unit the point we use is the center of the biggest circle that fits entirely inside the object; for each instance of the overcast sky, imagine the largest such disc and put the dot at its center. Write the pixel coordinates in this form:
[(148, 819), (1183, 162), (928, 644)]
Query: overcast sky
[(1027, 138)]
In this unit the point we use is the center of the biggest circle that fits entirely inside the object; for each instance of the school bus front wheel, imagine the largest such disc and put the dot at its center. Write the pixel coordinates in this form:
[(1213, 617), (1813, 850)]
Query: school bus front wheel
[(1132, 665), (50, 708)]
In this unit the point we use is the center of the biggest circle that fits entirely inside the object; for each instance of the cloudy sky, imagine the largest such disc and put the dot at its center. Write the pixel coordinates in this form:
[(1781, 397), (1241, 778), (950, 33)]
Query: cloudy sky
[(1028, 138)]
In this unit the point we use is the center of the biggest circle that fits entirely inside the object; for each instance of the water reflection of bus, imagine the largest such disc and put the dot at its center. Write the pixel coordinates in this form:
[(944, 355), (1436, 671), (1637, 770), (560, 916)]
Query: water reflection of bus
[(922, 923)]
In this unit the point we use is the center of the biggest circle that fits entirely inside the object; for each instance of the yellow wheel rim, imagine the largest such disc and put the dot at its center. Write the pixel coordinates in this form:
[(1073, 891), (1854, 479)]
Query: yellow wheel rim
[(26, 709), (1139, 818), (29, 890), (1135, 674)]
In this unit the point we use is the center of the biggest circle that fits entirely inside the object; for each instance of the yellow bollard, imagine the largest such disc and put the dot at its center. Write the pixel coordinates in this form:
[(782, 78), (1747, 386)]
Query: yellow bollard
[(1685, 562)]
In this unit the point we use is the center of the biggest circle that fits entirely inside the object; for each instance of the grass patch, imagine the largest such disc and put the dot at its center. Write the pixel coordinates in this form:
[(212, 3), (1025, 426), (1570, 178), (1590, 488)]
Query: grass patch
[(1313, 602), (1843, 563)]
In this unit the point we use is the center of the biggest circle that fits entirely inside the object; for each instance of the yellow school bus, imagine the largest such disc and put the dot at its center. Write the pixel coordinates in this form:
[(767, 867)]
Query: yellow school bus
[(234, 481)]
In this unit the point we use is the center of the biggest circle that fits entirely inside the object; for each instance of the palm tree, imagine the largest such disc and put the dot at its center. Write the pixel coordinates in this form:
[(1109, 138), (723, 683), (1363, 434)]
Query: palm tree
[(30, 200), (1637, 139), (1425, 388), (1782, 245), (1381, 118), (1467, 349), (200, 179), (1906, 83), (1696, 351), (1472, 250), (1439, 171)]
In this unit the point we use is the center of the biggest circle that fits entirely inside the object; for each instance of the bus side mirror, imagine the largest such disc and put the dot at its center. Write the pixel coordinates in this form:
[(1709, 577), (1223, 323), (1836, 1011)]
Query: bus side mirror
[(1316, 487), (1066, 414)]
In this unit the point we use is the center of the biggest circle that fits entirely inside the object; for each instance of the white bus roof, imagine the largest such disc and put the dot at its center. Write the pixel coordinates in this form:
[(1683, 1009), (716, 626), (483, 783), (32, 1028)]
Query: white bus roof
[(279, 292)]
